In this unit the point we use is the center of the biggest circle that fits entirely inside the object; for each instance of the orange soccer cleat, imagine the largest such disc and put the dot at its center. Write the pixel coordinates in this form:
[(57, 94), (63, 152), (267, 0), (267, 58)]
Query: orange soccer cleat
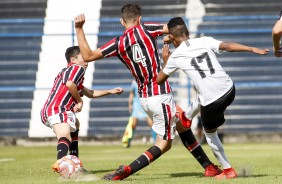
[(181, 116), (121, 173), (56, 167), (227, 174), (212, 170)]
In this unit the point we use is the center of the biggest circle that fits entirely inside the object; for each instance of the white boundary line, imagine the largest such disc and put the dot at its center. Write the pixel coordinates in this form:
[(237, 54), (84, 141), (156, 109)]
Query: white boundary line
[(7, 159)]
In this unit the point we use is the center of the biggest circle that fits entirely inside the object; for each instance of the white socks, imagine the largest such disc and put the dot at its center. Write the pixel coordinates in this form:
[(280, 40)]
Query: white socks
[(217, 148), (193, 110)]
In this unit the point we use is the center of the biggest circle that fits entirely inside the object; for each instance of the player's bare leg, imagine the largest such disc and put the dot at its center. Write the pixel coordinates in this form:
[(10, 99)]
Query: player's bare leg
[(62, 131), (153, 133)]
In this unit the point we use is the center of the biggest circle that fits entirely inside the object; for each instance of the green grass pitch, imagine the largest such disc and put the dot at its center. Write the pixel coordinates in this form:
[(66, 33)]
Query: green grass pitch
[(256, 163)]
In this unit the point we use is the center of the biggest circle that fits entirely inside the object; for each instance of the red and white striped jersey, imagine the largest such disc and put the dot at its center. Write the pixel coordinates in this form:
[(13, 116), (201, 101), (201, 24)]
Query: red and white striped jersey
[(60, 99), (137, 49)]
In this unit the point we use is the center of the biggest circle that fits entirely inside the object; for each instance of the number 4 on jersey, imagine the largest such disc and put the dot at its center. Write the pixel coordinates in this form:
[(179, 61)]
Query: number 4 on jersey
[(138, 56)]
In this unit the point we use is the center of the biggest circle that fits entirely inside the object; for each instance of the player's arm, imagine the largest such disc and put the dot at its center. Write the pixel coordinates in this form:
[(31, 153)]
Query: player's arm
[(276, 37), (130, 101), (165, 29), (85, 50), (74, 92), (99, 93), (162, 77), (236, 47)]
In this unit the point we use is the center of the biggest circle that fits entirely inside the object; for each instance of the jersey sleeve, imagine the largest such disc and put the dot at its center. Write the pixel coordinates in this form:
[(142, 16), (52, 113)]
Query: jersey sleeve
[(170, 67), (155, 29), (75, 73), (110, 48), (213, 44)]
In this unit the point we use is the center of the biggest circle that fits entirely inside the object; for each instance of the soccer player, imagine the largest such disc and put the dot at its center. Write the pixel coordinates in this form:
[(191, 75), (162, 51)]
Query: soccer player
[(65, 100), (137, 49), (136, 114), (215, 89), (276, 36)]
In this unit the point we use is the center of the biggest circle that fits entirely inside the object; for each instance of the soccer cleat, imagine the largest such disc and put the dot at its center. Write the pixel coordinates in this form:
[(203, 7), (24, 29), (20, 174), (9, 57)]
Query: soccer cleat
[(126, 143), (212, 170), (56, 167), (121, 173), (227, 174), (181, 116), (128, 134)]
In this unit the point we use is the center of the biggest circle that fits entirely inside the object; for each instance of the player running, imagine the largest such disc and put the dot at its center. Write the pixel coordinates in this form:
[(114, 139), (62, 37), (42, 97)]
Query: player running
[(215, 89), (137, 49)]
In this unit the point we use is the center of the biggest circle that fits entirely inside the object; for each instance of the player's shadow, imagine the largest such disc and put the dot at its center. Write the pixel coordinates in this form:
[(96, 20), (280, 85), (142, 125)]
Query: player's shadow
[(186, 174), (98, 171), (253, 176), (197, 174)]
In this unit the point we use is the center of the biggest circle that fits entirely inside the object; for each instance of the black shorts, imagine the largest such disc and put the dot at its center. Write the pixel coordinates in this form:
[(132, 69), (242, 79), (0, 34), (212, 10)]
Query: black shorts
[(213, 114)]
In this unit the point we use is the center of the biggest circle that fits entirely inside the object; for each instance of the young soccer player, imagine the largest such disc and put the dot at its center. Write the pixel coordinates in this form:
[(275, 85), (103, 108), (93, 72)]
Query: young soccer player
[(276, 36), (65, 100), (196, 57), (137, 49)]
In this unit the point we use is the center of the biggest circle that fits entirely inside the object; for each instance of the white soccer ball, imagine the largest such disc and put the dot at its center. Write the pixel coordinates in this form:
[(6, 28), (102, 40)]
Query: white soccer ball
[(70, 166)]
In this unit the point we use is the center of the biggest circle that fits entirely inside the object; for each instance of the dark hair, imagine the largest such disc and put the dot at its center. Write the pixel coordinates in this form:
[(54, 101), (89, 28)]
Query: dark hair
[(177, 27), (130, 12), (72, 52)]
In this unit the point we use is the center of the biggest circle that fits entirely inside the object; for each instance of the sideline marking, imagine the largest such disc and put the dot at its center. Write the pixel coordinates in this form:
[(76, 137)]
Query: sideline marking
[(7, 159)]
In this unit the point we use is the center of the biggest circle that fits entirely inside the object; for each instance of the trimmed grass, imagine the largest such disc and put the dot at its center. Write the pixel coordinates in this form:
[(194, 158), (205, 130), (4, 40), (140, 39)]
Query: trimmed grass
[(260, 163)]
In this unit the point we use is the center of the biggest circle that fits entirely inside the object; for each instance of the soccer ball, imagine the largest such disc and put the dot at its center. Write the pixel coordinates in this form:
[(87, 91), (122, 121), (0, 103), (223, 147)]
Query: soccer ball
[(68, 167)]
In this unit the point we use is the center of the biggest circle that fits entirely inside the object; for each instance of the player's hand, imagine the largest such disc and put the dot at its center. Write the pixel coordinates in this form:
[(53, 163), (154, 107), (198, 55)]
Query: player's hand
[(167, 39), (79, 21), (278, 53), (117, 91), (78, 107), (165, 53), (260, 51)]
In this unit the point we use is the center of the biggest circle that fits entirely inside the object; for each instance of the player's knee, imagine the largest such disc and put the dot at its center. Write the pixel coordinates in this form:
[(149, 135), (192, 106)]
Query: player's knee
[(166, 147), (180, 128), (208, 130)]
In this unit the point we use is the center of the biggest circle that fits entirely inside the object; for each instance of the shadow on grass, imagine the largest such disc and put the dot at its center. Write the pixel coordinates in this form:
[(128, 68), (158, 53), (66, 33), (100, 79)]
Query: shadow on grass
[(197, 174), (186, 174), (98, 171), (253, 176)]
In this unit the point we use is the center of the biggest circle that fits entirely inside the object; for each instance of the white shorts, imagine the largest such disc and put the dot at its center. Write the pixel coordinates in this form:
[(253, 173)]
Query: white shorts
[(66, 117), (161, 109)]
